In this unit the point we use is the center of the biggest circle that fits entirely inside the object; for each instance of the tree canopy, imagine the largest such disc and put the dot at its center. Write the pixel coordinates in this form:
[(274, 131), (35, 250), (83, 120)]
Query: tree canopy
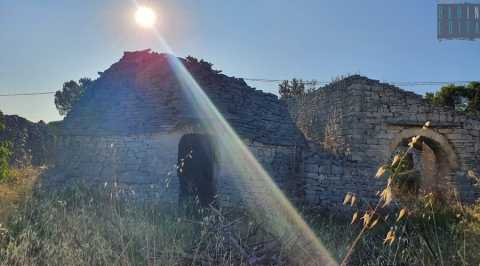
[(295, 87), (461, 98), (195, 65), (70, 94)]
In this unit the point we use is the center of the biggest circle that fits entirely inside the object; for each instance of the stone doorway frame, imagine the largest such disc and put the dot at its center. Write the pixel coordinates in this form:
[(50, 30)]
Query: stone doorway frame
[(447, 160), (439, 143)]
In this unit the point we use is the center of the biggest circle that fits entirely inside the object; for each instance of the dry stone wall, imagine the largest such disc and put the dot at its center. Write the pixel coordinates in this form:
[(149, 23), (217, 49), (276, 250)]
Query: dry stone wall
[(279, 161), (141, 94), (145, 166), (127, 127), (328, 178), (370, 120), (326, 117), (32, 143)]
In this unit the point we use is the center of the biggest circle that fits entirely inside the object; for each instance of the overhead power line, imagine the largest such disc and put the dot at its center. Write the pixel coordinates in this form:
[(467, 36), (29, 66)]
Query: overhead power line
[(27, 93), (309, 82)]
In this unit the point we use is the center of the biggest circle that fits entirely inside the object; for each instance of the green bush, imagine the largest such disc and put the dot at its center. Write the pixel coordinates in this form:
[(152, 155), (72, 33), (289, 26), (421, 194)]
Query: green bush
[(461, 98), (5, 153)]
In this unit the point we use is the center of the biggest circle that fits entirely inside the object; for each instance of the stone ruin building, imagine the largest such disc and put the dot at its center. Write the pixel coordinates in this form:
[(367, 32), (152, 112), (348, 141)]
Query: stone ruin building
[(31, 143), (133, 127)]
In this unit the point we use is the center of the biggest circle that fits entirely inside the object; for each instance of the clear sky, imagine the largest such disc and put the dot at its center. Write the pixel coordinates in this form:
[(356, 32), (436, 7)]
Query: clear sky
[(44, 43)]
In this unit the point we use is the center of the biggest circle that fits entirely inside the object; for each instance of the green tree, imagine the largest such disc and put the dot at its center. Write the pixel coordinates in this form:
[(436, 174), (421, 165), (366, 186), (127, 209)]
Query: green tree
[(284, 89), (429, 96), (297, 87), (473, 94), (5, 153), (293, 88), (70, 94), (461, 98)]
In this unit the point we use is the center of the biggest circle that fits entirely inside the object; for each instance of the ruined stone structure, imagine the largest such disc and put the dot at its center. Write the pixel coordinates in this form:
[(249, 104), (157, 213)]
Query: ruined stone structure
[(32, 143), (127, 130), (364, 122), (128, 127)]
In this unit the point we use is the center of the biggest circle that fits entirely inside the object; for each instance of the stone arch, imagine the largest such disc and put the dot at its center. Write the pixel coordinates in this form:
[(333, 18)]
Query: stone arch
[(196, 169), (436, 141), (437, 155)]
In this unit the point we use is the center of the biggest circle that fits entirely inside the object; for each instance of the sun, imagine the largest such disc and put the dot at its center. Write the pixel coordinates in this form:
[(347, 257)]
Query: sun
[(145, 16)]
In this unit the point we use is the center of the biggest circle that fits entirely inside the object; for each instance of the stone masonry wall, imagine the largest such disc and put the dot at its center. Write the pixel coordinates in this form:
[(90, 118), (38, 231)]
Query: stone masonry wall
[(278, 161), (328, 178), (325, 117), (126, 129), (387, 112), (141, 94), (145, 166), (128, 124), (370, 120), (32, 143)]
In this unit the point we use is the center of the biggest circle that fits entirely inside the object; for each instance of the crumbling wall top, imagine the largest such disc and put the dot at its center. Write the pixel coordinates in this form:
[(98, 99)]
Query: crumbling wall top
[(141, 94)]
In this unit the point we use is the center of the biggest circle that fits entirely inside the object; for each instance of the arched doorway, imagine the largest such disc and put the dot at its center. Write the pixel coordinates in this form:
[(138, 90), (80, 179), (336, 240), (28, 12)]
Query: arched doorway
[(196, 169), (433, 159)]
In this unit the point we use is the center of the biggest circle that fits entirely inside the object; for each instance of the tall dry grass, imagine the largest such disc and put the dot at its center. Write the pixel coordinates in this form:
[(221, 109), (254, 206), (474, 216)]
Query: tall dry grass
[(15, 188), (425, 226), (81, 225)]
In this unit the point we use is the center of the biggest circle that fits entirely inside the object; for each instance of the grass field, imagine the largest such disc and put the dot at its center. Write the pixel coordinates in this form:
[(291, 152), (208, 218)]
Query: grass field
[(15, 190), (85, 226)]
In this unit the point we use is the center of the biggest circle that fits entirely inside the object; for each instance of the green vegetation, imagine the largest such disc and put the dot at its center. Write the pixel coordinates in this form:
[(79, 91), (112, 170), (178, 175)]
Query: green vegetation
[(81, 226), (108, 225), (442, 235), (5, 153), (461, 98), (438, 230), (198, 66), (15, 189), (70, 94), (295, 88)]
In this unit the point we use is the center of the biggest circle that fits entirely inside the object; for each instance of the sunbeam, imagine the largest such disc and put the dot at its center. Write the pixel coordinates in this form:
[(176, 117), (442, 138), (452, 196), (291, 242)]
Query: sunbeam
[(268, 202)]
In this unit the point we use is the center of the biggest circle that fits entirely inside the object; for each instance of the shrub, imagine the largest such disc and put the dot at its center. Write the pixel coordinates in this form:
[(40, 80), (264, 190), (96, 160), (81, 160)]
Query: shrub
[(5, 153)]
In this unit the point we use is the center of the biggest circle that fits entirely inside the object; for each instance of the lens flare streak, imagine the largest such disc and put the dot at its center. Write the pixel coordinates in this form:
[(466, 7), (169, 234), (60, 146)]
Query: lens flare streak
[(269, 202)]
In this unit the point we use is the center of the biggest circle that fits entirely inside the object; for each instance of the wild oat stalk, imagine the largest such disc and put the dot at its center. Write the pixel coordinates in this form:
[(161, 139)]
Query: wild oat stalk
[(371, 217)]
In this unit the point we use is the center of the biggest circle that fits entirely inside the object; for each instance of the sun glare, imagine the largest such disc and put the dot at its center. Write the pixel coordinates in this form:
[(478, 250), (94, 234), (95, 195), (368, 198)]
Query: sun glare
[(145, 17), (267, 202)]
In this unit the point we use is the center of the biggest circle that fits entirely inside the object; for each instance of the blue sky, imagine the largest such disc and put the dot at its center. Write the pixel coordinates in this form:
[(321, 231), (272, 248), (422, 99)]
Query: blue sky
[(45, 43)]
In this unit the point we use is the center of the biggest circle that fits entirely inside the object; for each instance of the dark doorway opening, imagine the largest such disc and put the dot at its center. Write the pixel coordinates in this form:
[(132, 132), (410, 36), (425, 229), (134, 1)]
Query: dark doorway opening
[(196, 170), (426, 167)]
